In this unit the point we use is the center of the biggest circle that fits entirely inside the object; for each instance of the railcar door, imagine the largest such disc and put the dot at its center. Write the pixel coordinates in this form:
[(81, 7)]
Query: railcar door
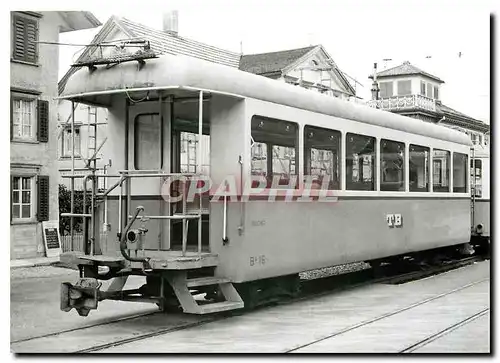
[(185, 153)]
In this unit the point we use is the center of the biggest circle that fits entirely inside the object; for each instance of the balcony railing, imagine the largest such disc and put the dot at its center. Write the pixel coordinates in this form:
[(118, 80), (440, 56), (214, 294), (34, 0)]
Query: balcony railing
[(404, 102)]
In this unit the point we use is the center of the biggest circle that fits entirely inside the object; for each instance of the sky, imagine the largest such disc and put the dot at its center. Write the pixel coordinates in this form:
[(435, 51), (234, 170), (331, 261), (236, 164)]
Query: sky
[(355, 33)]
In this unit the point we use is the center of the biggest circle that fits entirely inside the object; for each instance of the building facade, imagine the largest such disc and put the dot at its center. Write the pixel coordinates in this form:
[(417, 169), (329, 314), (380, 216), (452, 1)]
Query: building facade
[(310, 67), (33, 123), (410, 91)]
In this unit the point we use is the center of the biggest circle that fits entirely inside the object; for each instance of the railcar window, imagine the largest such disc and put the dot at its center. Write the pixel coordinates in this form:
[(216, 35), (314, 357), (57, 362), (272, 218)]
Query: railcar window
[(477, 184), (189, 153), (274, 153), (419, 168), (322, 157), (459, 173), (441, 170), (392, 160), (148, 142), (360, 160)]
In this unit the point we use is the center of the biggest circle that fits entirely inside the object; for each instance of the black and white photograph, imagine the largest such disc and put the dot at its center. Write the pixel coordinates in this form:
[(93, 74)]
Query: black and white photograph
[(251, 177)]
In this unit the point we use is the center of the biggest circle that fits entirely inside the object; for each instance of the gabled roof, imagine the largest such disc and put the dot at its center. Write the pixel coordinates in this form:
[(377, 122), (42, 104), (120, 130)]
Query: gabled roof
[(273, 64), (405, 69), (78, 20), (161, 43), (267, 63), (459, 116)]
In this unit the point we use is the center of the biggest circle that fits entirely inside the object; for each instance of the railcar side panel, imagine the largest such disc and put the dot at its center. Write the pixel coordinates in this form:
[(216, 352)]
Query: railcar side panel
[(288, 237)]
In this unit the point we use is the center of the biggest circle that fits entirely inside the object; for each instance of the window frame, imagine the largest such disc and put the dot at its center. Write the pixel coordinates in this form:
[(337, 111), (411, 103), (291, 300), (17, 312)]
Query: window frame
[(374, 165), (380, 162), (33, 198), (385, 84), (423, 88), (135, 140), (443, 174), (26, 97), (25, 17), (270, 152), (464, 173), (430, 88), (337, 184), (64, 154), (405, 81), (429, 169)]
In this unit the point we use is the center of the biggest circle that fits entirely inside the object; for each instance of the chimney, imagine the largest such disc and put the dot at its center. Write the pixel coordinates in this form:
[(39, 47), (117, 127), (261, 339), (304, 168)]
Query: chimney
[(375, 89), (171, 22)]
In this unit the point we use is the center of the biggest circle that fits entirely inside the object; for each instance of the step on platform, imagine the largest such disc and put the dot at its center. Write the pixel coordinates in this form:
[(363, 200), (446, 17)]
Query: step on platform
[(181, 286)]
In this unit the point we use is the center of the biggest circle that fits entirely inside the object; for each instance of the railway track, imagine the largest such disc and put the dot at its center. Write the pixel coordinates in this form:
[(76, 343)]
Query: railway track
[(143, 325), (399, 311), (443, 332)]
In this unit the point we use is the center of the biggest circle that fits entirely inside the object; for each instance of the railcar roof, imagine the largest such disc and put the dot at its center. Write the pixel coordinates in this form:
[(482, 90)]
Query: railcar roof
[(175, 71)]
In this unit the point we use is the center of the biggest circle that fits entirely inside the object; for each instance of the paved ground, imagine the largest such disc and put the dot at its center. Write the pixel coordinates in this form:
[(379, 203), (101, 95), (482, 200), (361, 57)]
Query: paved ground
[(304, 327), (307, 325), (34, 303)]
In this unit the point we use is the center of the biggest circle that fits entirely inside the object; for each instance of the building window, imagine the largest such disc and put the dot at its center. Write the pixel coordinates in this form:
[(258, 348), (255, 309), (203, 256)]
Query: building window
[(360, 160), (386, 89), (404, 88), (392, 156), (274, 152), (23, 118), (419, 168), (24, 38), (429, 90), (322, 157), (436, 92), (422, 88), (441, 171), (22, 197), (459, 173), (486, 140), (66, 142), (148, 145)]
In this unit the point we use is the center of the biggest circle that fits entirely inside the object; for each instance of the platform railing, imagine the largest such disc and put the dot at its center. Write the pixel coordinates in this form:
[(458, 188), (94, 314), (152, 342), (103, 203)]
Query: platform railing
[(184, 216)]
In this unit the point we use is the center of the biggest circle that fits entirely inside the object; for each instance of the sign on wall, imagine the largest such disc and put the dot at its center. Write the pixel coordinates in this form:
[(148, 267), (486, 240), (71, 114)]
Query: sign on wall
[(51, 238)]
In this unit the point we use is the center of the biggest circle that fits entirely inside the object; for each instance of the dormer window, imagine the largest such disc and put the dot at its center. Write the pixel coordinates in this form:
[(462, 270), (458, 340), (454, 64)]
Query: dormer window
[(404, 88), (429, 90), (386, 89)]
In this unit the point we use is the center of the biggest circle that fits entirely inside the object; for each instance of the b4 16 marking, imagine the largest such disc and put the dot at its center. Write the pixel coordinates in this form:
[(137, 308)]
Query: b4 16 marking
[(394, 220), (258, 260)]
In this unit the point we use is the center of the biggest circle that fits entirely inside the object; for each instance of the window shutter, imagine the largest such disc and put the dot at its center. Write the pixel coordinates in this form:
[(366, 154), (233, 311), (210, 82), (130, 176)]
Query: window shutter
[(43, 121), (11, 118), (11, 199), (25, 37), (43, 198)]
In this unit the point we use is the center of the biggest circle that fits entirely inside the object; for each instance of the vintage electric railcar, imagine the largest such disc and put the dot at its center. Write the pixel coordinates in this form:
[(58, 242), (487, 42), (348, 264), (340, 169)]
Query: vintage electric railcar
[(480, 190), (396, 185)]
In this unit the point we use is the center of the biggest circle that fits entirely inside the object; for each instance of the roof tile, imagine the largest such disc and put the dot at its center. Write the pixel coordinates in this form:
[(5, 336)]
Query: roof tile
[(405, 69), (271, 62)]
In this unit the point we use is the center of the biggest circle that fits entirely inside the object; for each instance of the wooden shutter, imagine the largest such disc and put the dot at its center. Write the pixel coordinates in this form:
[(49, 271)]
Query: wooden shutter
[(25, 35), (43, 121), (11, 118), (43, 198)]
